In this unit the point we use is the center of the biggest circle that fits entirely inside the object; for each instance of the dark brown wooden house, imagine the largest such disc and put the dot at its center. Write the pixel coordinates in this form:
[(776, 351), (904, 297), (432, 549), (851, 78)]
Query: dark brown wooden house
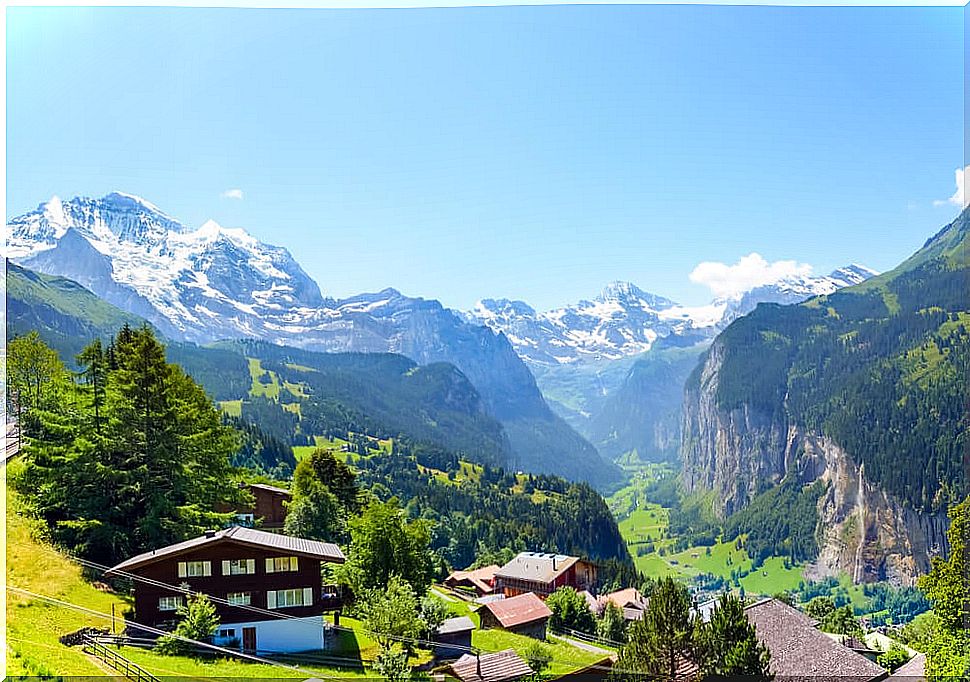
[(268, 510), (271, 581)]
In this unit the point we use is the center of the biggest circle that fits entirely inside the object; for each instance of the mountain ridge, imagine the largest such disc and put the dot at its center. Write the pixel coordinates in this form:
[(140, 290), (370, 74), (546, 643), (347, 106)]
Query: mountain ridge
[(217, 283)]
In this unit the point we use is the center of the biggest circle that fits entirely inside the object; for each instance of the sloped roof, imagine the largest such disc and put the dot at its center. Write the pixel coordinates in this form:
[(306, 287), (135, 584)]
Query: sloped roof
[(481, 578), (630, 597), (453, 625), (537, 566), (518, 610), (239, 535), (799, 649), (498, 667), (271, 489), (913, 671)]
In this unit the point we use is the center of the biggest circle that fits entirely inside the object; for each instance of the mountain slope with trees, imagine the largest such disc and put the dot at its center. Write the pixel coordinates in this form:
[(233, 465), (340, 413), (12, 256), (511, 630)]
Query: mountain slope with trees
[(864, 389)]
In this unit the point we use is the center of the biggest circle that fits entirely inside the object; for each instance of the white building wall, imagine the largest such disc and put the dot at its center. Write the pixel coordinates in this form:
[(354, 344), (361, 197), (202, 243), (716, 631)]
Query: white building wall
[(286, 635)]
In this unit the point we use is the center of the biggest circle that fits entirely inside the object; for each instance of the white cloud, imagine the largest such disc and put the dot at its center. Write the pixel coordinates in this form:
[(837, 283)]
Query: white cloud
[(726, 281), (959, 197), (234, 193)]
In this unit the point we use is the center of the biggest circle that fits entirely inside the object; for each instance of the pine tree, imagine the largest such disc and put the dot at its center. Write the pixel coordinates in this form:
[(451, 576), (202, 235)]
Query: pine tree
[(729, 645), (663, 641)]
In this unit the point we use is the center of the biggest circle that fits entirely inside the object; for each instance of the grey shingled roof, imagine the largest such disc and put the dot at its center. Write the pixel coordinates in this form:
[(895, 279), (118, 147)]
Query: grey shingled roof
[(240, 535), (271, 488), (498, 667), (452, 625), (799, 650), (536, 566)]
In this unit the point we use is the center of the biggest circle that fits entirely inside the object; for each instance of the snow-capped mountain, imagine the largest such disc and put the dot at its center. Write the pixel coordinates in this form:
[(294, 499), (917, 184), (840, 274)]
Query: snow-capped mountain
[(199, 285), (624, 320), (214, 283)]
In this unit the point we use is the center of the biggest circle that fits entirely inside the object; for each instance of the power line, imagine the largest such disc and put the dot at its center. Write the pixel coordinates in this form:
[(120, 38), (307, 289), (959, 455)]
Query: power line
[(148, 628), (475, 651)]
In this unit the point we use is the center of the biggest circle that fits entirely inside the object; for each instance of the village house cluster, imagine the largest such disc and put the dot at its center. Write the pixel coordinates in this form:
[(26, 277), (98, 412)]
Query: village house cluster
[(271, 599)]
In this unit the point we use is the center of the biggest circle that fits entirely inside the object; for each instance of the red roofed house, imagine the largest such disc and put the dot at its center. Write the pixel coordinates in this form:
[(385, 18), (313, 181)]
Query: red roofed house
[(482, 580), (525, 614), (629, 601), (544, 573), (258, 574)]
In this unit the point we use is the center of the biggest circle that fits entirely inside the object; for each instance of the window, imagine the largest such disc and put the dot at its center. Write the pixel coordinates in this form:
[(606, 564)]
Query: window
[(169, 603), (281, 564), (238, 566), (281, 599), (227, 633), (239, 598), (195, 569)]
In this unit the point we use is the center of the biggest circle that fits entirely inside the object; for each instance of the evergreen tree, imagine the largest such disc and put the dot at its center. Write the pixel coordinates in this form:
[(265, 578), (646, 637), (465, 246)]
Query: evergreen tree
[(660, 644), (155, 472), (612, 625), (729, 646)]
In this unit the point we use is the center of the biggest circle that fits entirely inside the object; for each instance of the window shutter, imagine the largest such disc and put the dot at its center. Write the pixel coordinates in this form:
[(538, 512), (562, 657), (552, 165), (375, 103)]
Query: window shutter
[(307, 596), (206, 568), (293, 564), (271, 599), (181, 569), (250, 565), (269, 564), (225, 567)]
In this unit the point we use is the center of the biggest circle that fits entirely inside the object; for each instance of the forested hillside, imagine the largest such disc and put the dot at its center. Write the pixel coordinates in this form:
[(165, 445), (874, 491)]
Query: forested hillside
[(880, 368), (864, 390)]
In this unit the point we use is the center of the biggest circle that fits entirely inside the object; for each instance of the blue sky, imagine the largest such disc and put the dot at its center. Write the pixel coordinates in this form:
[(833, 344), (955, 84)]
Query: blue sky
[(523, 152)]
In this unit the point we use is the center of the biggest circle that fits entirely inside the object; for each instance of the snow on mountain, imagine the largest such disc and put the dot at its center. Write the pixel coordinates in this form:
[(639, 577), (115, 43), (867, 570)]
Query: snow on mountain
[(215, 283), (198, 284), (624, 320)]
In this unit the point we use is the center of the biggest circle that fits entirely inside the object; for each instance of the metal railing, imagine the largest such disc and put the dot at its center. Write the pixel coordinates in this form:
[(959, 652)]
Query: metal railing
[(113, 659)]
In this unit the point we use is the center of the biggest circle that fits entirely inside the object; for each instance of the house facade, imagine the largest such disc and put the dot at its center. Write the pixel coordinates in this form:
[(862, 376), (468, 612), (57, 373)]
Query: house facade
[(543, 573), (268, 510), (266, 587)]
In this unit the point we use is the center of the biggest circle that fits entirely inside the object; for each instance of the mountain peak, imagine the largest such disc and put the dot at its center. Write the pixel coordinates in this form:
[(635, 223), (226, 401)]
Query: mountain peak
[(627, 292)]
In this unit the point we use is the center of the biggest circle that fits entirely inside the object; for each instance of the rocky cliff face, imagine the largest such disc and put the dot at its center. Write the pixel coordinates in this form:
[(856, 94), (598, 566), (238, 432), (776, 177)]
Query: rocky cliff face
[(862, 530)]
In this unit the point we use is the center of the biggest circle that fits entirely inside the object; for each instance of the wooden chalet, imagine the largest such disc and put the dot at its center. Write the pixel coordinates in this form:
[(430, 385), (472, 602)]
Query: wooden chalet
[(268, 510), (544, 573), (273, 595), (502, 666)]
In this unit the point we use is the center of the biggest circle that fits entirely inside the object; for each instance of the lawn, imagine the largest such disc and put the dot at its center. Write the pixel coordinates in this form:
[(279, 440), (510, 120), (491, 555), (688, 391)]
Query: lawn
[(270, 390), (641, 521), (231, 407), (33, 626)]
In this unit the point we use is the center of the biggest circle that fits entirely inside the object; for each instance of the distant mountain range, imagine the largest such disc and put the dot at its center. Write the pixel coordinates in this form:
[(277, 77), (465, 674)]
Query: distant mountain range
[(614, 367), (592, 360), (215, 283), (624, 320)]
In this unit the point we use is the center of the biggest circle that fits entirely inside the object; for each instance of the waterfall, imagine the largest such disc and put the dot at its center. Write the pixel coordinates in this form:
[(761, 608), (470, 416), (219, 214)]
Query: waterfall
[(857, 571)]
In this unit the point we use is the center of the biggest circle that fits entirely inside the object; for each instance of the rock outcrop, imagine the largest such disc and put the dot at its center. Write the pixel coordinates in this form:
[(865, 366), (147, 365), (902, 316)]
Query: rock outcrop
[(861, 530)]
